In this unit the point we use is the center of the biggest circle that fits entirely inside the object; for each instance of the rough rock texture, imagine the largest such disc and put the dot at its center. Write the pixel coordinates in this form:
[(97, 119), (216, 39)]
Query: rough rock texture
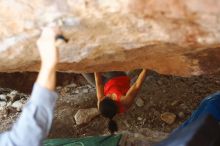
[(168, 117), (146, 137), (139, 102), (84, 116), (11, 99), (172, 37)]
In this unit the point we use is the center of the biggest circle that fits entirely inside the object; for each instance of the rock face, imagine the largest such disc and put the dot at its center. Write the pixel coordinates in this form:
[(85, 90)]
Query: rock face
[(85, 115), (172, 37)]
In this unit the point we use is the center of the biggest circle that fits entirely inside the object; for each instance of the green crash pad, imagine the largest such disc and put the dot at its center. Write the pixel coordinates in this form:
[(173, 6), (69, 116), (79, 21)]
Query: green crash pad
[(87, 141)]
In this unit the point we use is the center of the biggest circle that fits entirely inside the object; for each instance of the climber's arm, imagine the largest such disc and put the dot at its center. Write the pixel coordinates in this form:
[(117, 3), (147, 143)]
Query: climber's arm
[(134, 89), (99, 85), (34, 124)]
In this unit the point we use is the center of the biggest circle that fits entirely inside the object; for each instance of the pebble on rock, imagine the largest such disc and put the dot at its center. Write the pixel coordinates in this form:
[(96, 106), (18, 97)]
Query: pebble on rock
[(183, 106), (139, 118), (3, 103), (181, 115), (174, 103), (3, 97), (73, 85), (9, 103), (13, 95), (85, 90), (139, 102), (77, 91), (89, 86), (159, 82), (18, 105), (168, 117)]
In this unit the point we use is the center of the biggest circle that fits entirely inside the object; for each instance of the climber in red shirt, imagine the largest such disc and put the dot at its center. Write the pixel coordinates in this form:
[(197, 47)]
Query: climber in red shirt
[(114, 93)]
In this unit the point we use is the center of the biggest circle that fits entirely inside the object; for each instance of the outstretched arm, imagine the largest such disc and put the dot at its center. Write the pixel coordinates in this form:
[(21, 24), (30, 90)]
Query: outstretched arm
[(134, 89), (99, 86), (49, 57), (34, 124)]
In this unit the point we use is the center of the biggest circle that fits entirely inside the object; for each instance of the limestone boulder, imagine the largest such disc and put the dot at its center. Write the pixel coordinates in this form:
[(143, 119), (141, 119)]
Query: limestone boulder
[(172, 37), (84, 116)]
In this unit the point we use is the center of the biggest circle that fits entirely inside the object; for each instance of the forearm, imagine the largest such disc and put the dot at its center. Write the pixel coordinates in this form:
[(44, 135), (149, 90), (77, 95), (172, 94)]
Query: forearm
[(140, 79), (134, 89), (99, 85), (47, 77), (98, 80), (49, 58)]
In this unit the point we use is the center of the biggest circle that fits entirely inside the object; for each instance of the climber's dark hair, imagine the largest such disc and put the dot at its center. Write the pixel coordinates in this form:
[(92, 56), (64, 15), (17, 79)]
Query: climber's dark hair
[(108, 108)]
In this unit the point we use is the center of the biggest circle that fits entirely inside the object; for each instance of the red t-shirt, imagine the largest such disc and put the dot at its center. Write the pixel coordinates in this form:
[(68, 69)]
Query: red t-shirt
[(120, 86)]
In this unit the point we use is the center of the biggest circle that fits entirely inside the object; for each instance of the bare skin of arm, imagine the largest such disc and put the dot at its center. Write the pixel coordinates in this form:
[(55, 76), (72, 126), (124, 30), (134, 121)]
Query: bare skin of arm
[(49, 58), (99, 86), (134, 89)]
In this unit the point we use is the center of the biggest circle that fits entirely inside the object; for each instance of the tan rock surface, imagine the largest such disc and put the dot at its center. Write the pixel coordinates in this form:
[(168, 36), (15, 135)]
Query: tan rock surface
[(172, 37), (84, 116), (168, 117)]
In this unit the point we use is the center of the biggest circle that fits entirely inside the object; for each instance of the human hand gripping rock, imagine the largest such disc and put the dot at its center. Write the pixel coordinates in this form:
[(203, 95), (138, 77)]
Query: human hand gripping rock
[(49, 58), (47, 49)]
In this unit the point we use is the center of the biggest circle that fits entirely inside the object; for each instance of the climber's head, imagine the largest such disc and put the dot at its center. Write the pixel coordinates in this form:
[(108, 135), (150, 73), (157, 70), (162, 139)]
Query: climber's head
[(108, 108)]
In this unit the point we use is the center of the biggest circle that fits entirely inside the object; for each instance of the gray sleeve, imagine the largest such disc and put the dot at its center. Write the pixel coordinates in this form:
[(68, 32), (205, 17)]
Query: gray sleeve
[(34, 124)]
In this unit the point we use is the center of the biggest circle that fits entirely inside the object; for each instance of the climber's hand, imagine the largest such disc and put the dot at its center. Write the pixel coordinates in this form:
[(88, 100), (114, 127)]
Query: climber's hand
[(49, 58), (47, 49)]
